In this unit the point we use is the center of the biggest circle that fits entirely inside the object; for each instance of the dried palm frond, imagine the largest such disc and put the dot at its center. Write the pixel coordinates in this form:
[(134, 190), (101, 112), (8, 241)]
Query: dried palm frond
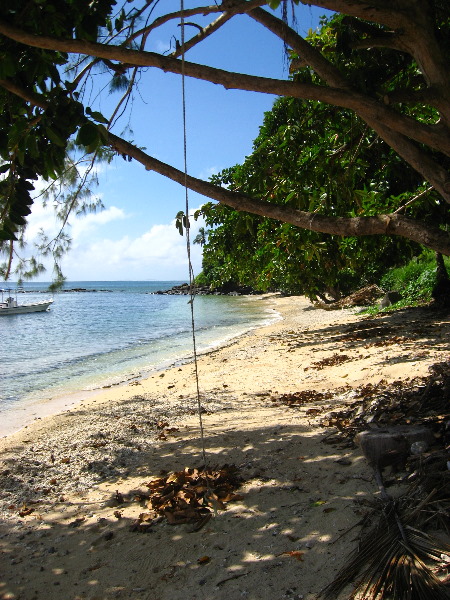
[(393, 557)]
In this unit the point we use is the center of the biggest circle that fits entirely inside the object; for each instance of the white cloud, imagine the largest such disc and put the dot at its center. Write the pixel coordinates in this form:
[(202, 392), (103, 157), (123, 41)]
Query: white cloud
[(41, 218), (98, 254), (44, 218), (80, 226), (159, 253)]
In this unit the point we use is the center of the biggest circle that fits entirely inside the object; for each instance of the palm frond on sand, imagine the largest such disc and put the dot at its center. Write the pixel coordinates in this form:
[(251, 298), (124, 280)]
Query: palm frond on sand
[(392, 561)]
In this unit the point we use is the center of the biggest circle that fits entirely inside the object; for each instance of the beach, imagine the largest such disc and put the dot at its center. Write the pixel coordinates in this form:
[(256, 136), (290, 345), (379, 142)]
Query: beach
[(74, 486)]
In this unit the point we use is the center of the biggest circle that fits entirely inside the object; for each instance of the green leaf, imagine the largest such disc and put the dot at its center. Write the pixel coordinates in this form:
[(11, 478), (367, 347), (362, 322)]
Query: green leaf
[(104, 134), (55, 137), (88, 135), (97, 116), (70, 85), (7, 235), (8, 66)]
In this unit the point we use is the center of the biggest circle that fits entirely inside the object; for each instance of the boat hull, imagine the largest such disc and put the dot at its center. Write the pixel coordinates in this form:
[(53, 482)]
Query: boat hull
[(25, 308)]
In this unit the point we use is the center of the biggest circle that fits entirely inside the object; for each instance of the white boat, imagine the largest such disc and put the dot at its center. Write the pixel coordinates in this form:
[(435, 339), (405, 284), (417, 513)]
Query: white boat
[(12, 307)]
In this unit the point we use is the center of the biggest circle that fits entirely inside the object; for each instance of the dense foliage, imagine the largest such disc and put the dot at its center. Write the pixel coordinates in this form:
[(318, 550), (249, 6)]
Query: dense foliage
[(38, 123), (314, 158), (415, 281)]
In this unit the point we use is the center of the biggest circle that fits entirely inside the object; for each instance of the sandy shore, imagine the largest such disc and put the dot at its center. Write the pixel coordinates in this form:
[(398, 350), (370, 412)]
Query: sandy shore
[(70, 484)]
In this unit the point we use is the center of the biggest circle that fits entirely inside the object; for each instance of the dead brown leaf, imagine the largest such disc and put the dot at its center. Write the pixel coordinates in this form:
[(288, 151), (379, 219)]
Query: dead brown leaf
[(187, 496), (25, 511), (297, 554)]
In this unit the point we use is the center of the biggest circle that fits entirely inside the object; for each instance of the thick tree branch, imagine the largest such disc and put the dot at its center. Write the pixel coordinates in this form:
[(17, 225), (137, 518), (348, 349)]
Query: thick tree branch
[(310, 55), (425, 48), (333, 77), (413, 155), (413, 20), (367, 109), (407, 96), (393, 224), (407, 126), (26, 95), (384, 12), (391, 41)]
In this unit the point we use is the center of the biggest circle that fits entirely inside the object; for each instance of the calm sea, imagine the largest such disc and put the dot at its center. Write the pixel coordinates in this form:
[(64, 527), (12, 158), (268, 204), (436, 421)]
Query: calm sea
[(114, 331)]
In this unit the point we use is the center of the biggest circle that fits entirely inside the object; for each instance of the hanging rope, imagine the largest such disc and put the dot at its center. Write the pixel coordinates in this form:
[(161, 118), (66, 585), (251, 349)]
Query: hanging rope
[(188, 240)]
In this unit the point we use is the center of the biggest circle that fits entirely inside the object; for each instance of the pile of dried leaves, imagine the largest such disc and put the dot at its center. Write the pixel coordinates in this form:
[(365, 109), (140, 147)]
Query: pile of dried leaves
[(190, 496), (302, 397), (331, 361)]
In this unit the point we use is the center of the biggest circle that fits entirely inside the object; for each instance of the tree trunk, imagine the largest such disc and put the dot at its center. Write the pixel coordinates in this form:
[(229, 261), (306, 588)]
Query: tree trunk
[(441, 290)]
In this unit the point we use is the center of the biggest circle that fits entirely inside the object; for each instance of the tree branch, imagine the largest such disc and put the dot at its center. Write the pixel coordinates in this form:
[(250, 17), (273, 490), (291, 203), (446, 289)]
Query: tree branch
[(324, 69), (391, 41), (361, 104), (215, 25), (417, 197), (367, 109), (386, 122), (421, 41), (393, 224), (364, 105), (408, 96), (26, 95), (204, 33), (384, 12), (201, 10), (413, 20), (413, 155)]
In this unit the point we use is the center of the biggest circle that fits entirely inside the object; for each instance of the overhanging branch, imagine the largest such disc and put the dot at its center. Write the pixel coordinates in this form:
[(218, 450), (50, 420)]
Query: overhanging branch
[(397, 137), (393, 224), (344, 98), (230, 10), (384, 12)]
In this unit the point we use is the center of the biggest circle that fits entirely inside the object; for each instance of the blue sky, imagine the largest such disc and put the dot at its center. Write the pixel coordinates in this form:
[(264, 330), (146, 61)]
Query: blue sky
[(135, 238)]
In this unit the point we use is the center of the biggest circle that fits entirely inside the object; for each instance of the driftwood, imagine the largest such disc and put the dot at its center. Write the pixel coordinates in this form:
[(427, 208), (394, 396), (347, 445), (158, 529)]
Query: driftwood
[(363, 297)]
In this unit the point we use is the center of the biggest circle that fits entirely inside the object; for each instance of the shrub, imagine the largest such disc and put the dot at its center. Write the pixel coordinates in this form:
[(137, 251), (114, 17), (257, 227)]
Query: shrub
[(414, 281)]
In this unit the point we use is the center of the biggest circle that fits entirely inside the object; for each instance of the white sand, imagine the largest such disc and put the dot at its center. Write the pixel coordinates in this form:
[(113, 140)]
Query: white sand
[(296, 497)]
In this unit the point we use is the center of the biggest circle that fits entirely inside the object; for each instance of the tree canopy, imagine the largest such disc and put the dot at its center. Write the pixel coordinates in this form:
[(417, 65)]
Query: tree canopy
[(49, 47), (314, 158)]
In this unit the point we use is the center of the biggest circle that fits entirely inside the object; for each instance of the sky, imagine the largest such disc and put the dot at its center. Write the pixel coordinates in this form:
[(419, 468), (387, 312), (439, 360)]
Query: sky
[(134, 238)]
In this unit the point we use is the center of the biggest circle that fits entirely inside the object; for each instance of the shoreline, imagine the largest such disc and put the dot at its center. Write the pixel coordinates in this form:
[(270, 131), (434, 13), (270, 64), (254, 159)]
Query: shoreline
[(13, 418), (69, 483)]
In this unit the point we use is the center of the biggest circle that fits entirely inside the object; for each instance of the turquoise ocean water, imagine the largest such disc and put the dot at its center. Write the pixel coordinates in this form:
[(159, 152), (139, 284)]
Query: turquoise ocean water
[(115, 331)]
